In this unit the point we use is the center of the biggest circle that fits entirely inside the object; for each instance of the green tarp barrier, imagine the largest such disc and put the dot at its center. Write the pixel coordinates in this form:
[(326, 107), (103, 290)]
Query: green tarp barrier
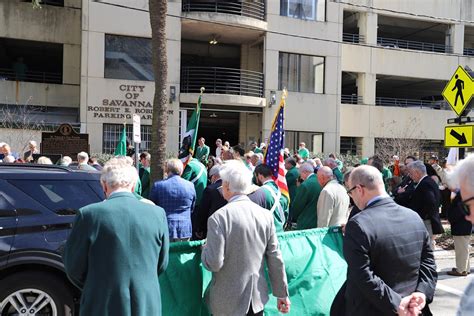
[(315, 268)]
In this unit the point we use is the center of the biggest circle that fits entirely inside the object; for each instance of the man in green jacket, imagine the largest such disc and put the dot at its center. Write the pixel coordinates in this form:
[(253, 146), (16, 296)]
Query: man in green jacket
[(144, 173), (303, 152), (269, 196), (196, 173), (117, 248), (292, 175), (303, 208), (202, 151)]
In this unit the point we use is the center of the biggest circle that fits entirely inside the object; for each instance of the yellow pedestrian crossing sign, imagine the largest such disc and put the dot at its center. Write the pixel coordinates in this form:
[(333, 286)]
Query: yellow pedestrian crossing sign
[(458, 135), (459, 90)]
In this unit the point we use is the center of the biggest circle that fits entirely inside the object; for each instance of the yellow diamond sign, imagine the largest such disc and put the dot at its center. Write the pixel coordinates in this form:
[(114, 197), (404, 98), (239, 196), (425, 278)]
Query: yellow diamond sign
[(459, 90), (458, 135)]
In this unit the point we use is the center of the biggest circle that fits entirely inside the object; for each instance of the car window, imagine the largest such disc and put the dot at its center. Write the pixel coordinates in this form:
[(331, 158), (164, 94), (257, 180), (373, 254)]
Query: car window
[(61, 196)]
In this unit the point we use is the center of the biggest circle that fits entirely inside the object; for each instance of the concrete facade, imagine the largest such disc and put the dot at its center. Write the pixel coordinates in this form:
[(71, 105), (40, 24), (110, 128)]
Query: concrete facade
[(82, 26)]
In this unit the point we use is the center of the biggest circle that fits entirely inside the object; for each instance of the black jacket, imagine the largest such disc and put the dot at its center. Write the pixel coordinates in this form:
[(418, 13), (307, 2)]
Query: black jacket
[(457, 218), (425, 200), (388, 253), (403, 199), (212, 200)]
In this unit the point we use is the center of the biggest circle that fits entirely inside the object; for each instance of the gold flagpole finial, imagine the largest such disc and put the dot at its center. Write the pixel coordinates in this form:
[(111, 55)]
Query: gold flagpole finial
[(202, 90), (284, 94)]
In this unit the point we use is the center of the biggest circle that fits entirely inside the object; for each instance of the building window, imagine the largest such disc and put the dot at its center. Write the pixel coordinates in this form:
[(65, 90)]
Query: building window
[(112, 132), (348, 146), (313, 141), (313, 10), (301, 73), (128, 58)]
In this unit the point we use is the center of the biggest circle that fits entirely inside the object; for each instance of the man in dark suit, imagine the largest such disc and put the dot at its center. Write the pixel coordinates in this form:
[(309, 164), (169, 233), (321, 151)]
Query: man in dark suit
[(426, 198), (117, 248), (212, 200), (391, 267), (402, 193)]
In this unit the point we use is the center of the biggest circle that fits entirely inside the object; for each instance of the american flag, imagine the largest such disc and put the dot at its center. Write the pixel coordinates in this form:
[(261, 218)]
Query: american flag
[(274, 154)]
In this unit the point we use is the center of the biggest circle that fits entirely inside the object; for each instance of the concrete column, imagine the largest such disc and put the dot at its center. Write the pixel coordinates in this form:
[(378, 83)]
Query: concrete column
[(368, 27), (366, 87), (455, 38), (368, 146), (71, 64)]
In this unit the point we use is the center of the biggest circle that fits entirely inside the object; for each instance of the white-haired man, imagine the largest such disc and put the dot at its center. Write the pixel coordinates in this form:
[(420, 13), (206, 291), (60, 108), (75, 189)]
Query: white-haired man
[(33, 149), (333, 202), (117, 247), (240, 238), (82, 162), (389, 269), (463, 178), (178, 197)]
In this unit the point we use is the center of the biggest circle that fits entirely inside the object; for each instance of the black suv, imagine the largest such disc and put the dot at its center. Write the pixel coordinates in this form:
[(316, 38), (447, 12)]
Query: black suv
[(37, 207)]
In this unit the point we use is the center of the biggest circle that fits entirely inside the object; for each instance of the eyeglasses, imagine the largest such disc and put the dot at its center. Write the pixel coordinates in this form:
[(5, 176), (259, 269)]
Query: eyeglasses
[(466, 207), (349, 192)]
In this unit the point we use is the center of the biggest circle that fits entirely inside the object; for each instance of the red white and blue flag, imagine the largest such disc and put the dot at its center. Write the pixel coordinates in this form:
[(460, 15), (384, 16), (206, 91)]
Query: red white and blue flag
[(274, 154)]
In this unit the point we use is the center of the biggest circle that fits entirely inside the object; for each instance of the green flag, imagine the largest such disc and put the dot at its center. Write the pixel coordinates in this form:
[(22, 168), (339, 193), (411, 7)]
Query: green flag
[(188, 142), (121, 149)]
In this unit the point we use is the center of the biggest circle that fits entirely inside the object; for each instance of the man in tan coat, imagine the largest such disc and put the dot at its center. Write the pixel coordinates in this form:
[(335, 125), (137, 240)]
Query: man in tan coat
[(241, 238), (333, 202)]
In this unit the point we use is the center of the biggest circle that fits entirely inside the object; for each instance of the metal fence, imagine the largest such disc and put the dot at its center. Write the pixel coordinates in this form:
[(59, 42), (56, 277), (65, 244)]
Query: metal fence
[(351, 99), (407, 103), (222, 81), (428, 47), (353, 38), (254, 10), (31, 76), (469, 51)]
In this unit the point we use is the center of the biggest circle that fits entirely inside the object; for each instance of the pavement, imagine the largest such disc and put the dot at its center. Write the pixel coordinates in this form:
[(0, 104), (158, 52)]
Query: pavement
[(449, 289)]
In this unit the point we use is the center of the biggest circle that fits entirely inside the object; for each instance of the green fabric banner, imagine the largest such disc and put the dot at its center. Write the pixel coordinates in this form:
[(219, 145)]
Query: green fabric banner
[(315, 268)]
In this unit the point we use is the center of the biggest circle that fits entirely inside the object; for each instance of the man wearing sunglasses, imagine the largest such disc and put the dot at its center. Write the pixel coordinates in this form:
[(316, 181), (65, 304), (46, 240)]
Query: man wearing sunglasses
[(391, 267), (463, 178)]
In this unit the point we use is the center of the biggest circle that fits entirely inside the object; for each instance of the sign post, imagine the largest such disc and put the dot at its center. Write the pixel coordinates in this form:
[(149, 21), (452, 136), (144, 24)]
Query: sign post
[(458, 93), (137, 138)]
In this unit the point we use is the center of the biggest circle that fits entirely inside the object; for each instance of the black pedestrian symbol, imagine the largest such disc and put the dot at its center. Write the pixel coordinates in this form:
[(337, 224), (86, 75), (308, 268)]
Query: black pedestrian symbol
[(460, 86)]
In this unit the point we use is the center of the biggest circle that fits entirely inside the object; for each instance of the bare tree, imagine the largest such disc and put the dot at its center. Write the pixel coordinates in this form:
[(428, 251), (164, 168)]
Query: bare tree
[(22, 123), (158, 10), (409, 142)]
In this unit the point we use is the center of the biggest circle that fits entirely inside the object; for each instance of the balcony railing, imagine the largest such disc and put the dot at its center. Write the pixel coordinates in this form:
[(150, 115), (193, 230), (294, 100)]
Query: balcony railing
[(222, 81), (469, 51), (31, 76), (412, 103), (254, 10), (351, 99), (353, 38), (427, 47)]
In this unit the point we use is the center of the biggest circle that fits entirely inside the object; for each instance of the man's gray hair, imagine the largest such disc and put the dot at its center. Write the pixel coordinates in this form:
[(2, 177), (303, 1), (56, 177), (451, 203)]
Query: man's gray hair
[(367, 176), (463, 174), (418, 166), (82, 156), (237, 175), (327, 171), (307, 167), (174, 166), (330, 163), (118, 173), (66, 161), (215, 170), (32, 143)]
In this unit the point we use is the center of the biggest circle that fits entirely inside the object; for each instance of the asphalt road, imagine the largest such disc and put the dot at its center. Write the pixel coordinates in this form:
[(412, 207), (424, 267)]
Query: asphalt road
[(449, 288)]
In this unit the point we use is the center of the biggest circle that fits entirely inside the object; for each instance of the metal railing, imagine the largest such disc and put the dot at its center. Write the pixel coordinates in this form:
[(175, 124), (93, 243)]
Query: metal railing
[(351, 99), (427, 47), (469, 51), (353, 38), (31, 76), (254, 10), (412, 103), (222, 81)]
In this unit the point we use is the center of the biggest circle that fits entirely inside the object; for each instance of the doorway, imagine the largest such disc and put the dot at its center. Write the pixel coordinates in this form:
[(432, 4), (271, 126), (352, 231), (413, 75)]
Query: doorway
[(216, 124)]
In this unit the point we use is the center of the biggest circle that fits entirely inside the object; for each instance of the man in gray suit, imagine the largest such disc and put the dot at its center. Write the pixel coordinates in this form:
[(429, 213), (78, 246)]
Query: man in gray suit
[(240, 239), (333, 202)]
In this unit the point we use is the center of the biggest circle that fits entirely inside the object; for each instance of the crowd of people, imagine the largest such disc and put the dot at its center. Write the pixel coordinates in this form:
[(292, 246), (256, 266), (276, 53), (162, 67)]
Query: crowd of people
[(390, 215)]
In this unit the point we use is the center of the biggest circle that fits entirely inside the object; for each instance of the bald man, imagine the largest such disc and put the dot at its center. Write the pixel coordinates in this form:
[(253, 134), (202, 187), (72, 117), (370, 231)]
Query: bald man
[(391, 268), (333, 202)]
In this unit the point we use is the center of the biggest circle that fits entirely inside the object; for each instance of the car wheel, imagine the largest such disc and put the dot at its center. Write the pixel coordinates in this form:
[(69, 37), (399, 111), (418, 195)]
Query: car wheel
[(30, 293)]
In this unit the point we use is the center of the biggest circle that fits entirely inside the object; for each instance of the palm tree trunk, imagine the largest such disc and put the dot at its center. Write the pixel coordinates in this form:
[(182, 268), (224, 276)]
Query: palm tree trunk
[(158, 9)]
